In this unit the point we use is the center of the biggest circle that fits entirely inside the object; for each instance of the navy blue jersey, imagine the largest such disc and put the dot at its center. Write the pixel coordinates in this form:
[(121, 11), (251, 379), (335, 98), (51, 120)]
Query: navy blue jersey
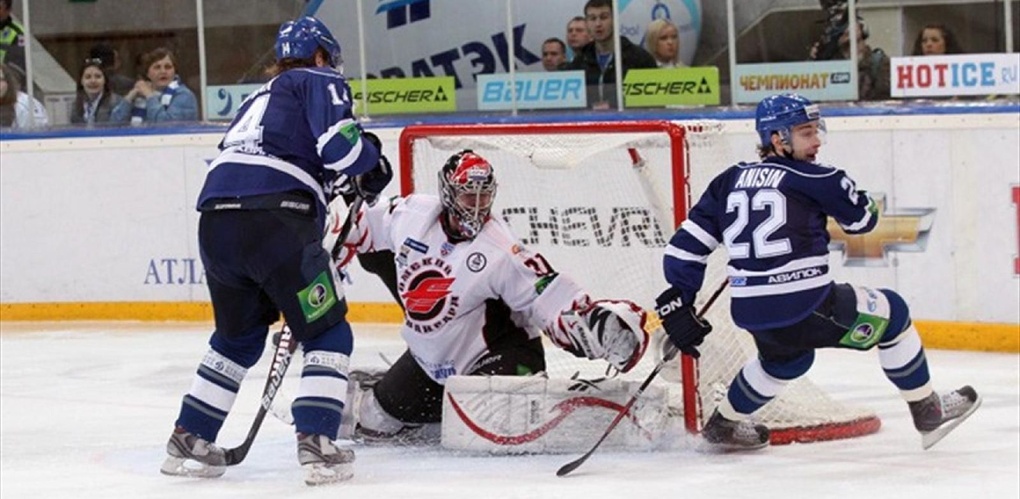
[(297, 132), (771, 217)]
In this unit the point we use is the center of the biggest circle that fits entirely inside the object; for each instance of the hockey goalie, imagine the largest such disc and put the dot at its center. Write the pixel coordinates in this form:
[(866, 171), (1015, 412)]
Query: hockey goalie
[(476, 304)]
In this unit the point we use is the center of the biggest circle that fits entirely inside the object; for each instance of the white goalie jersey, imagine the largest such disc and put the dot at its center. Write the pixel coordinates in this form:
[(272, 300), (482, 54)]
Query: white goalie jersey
[(444, 286)]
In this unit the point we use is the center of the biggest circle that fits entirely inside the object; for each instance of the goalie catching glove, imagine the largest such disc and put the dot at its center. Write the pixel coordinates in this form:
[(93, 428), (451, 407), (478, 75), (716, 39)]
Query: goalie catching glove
[(685, 329), (605, 329)]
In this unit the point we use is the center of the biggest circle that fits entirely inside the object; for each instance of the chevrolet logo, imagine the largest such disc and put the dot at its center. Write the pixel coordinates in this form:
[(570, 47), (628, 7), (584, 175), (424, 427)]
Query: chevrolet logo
[(905, 230)]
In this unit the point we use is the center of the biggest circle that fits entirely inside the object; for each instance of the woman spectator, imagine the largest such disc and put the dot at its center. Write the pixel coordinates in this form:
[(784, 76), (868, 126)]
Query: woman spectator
[(936, 39), (662, 40), (18, 109), (160, 96), (95, 100)]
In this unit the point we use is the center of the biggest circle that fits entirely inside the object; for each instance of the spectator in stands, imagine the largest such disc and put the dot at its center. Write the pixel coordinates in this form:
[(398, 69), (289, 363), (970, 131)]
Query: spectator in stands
[(577, 36), (12, 41), (554, 54), (18, 109), (160, 96), (95, 100), (936, 39), (662, 40), (596, 58), (119, 83), (872, 63)]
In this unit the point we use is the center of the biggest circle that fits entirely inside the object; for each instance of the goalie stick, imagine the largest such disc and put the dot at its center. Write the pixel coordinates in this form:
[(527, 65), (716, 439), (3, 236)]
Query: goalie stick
[(281, 360), (667, 356)]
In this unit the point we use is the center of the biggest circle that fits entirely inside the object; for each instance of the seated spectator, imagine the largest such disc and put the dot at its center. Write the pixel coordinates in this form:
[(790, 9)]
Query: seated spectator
[(18, 109), (596, 58), (120, 84), (577, 36), (160, 96), (554, 54), (936, 39), (662, 40), (95, 100)]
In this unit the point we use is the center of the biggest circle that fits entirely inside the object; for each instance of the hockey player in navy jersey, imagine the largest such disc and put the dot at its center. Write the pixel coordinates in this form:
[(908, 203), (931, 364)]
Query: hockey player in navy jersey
[(263, 211), (771, 218)]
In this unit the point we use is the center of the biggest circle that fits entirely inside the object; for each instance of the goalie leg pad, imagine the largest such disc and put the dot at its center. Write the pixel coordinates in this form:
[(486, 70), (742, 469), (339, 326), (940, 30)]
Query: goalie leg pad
[(533, 414)]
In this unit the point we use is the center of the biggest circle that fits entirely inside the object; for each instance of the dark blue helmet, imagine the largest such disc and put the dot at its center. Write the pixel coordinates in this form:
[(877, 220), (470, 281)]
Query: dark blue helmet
[(780, 113), (299, 39)]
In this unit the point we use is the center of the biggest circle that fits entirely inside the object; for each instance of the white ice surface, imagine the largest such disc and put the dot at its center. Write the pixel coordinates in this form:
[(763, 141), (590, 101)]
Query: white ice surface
[(85, 411)]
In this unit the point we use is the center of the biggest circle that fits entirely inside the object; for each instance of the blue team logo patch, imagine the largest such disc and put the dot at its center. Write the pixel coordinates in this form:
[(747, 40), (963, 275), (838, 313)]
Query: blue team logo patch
[(418, 246), (738, 281)]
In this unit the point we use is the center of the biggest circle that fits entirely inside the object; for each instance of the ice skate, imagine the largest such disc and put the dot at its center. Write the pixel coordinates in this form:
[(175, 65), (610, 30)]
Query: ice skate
[(728, 435), (192, 456), (936, 416), (323, 461)]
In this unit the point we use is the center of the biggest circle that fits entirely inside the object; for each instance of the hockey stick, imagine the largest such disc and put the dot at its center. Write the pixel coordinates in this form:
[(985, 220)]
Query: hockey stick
[(671, 352), (284, 352)]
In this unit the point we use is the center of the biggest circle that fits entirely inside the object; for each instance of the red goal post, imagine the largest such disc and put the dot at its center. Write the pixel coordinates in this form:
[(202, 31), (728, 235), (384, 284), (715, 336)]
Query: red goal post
[(600, 200)]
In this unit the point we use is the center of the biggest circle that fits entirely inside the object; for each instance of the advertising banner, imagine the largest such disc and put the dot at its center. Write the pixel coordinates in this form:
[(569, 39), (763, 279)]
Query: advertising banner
[(556, 90), (406, 95), (948, 75), (671, 87), (222, 101), (818, 80)]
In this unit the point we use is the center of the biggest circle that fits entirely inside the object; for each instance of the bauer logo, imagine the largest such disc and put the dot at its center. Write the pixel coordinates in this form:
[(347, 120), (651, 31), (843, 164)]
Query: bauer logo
[(557, 90)]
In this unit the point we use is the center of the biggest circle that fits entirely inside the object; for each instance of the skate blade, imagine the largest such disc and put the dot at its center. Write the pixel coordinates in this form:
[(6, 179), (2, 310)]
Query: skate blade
[(933, 437), (179, 466), (706, 447), (322, 474)]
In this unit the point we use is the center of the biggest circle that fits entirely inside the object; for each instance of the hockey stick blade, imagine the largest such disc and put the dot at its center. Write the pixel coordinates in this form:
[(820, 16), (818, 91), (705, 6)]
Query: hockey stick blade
[(573, 465), (281, 360)]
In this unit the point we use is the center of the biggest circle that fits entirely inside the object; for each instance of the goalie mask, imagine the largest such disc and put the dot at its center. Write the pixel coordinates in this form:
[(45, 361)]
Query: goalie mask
[(467, 187)]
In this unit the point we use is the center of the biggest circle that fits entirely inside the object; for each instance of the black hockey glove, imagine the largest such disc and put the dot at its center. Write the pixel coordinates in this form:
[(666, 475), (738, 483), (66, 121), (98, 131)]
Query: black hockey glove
[(684, 328), (368, 185)]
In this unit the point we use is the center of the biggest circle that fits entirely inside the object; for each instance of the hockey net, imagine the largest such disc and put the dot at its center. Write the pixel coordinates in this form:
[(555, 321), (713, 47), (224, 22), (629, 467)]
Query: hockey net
[(600, 201)]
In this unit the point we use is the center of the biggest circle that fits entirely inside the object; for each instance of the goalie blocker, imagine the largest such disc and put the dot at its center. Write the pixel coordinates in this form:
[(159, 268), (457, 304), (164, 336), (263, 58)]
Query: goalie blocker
[(535, 414)]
